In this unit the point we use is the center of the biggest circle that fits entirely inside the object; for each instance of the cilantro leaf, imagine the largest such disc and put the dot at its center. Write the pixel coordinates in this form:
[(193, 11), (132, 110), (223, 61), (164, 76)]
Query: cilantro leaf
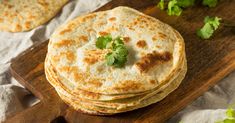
[(102, 41), (210, 3), (211, 24), (161, 4), (230, 113), (215, 22), (118, 56), (206, 31), (185, 3), (173, 8), (109, 59)]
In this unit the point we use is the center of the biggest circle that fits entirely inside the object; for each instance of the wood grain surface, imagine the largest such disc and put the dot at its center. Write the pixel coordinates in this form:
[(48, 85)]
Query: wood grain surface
[(208, 62)]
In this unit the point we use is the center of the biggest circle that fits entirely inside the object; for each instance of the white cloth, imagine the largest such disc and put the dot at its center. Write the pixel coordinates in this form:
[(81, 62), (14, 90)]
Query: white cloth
[(12, 94)]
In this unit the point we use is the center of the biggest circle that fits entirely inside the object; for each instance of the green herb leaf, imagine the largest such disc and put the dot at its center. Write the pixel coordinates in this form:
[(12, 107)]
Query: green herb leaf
[(185, 3), (109, 59), (211, 24), (173, 8), (102, 41), (215, 22), (206, 31), (210, 3), (118, 56), (161, 4), (230, 113), (229, 121)]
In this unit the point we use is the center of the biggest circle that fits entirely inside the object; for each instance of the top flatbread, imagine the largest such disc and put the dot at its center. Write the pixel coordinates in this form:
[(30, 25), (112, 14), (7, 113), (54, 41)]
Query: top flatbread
[(23, 15), (155, 51)]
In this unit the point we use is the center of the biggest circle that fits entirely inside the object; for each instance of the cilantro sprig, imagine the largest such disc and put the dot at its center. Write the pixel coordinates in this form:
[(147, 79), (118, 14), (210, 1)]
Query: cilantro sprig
[(210, 25), (230, 116), (175, 7), (118, 55), (210, 3)]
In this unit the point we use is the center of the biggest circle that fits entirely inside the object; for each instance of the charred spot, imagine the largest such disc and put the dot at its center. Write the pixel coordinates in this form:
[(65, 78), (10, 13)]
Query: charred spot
[(95, 83), (131, 28), (27, 24), (90, 94), (88, 17), (103, 33), (31, 17), (9, 6), (126, 39), (112, 19), (141, 44), (18, 27), (1, 20), (152, 59), (101, 23), (91, 30), (161, 35), (128, 85), (69, 55), (63, 43), (152, 81), (157, 46), (83, 38), (65, 31), (93, 56), (43, 3)]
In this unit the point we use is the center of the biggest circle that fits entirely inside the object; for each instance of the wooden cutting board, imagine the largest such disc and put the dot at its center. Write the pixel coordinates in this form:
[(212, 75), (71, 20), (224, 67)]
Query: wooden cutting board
[(208, 62)]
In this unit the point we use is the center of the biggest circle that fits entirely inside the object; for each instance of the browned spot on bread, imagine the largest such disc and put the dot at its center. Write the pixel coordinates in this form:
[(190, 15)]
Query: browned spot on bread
[(161, 35), (42, 3), (152, 59), (128, 85), (27, 24), (71, 25), (93, 56), (31, 17), (9, 6), (103, 33), (158, 46), (65, 31), (18, 27), (154, 38), (126, 39), (64, 43), (6, 13), (130, 28), (89, 94), (152, 81), (83, 38), (141, 44), (91, 30), (69, 55), (141, 26), (1, 20), (95, 83), (112, 19), (88, 17), (101, 23), (77, 76)]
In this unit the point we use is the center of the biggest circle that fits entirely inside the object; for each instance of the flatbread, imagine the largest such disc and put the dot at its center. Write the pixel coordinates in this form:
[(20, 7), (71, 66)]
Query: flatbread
[(24, 15), (73, 53), (76, 68)]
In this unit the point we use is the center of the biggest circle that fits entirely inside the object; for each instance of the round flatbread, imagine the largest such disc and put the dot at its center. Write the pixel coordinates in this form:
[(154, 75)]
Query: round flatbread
[(155, 50), (24, 15), (77, 69)]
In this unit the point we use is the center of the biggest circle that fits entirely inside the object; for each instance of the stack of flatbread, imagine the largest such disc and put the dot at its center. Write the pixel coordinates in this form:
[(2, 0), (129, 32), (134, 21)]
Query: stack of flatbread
[(23, 15), (77, 69)]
